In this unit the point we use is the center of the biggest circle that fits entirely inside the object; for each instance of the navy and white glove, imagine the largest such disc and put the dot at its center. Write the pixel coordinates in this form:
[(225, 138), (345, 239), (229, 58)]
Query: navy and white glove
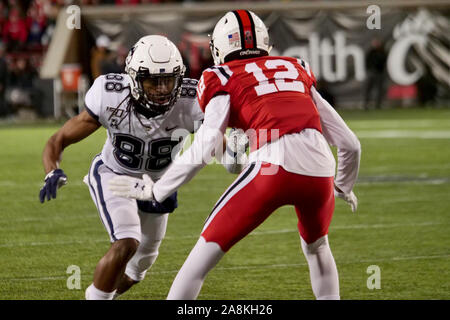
[(350, 198), (134, 188), (153, 206), (54, 180)]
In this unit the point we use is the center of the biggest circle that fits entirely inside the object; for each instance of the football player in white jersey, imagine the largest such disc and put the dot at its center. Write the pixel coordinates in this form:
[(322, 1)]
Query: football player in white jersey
[(147, 113)]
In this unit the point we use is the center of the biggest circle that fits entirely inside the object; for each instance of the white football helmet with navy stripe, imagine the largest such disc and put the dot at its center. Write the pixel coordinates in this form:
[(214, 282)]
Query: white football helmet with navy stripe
[(240, 34), (156, 70)]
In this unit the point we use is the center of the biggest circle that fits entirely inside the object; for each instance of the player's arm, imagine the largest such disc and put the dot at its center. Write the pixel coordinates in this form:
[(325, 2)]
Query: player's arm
[(338, 134), (74, 130), (233, 155), (208, 139)]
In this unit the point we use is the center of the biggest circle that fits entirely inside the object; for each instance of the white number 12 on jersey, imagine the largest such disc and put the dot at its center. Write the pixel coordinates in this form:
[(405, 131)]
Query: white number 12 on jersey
[(265, 87)]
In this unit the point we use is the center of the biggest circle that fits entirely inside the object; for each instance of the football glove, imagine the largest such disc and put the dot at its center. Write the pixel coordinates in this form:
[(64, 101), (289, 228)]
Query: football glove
[(54, 180), (235, 157), (129, 187), (237, 141), (350, 198), (153, 206)]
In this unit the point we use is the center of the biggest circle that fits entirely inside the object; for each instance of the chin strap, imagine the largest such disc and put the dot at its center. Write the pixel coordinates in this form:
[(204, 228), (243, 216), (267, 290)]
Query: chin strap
[(144, 111)]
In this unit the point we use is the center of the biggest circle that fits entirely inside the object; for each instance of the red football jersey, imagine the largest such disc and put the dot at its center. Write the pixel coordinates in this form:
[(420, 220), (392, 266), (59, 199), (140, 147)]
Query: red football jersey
[(270, 96)]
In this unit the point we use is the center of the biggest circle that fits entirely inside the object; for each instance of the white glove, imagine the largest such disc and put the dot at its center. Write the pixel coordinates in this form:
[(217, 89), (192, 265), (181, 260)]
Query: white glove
[(350, 198), (129, 187), (237, 141), (235, 157)]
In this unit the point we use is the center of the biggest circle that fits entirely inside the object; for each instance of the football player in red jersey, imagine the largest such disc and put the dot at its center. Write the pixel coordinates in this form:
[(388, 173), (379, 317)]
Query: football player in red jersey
[(290, 127)]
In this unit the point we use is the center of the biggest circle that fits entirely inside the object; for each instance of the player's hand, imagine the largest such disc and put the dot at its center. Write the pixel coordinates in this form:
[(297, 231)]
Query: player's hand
[(235, 157), (129, 187), (237, 141), (350, 198), (54, 180)]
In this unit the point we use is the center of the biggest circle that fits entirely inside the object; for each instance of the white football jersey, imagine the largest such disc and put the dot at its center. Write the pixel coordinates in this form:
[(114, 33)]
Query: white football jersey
[(135, 144)]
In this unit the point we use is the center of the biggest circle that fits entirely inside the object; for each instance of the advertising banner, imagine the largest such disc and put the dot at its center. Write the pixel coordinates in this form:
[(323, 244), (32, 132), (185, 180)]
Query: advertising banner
[(413, 48)]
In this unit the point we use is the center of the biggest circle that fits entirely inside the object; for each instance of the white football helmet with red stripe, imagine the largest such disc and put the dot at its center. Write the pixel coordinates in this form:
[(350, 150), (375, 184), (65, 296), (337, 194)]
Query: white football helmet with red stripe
[(240, 34)]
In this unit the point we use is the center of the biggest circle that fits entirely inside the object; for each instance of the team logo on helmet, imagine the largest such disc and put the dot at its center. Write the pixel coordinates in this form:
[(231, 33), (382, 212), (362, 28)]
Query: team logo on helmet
[(248, 39)]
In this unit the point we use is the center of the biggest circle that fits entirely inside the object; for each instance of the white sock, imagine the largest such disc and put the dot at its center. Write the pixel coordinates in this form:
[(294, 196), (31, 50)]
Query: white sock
[(189, 280), (329, 298), (116, 295), (322, 269), (92, 293)]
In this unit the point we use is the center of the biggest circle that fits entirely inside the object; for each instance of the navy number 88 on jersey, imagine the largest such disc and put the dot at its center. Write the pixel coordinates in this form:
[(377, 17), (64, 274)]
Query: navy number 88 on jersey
[(130, 152)]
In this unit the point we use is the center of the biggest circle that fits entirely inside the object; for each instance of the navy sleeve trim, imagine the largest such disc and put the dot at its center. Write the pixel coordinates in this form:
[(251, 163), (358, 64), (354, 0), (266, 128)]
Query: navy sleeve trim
[(220, 93), (91, 113)]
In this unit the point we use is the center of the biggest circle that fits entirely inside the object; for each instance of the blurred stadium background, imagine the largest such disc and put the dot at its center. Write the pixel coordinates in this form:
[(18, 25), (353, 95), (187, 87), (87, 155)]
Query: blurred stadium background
[(391, 84), (52, 50)]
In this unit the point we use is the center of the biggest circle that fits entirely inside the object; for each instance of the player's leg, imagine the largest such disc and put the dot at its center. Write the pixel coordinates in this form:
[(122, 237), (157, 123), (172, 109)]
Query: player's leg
[(243, 206), (112, 265), (153, 232), (322, 269), (153, 216), (120, 218), (189, 280), (314, 207)]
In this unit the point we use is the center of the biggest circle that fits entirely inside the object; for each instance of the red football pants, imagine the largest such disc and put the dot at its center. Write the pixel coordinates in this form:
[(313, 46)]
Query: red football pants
[(254, 195)]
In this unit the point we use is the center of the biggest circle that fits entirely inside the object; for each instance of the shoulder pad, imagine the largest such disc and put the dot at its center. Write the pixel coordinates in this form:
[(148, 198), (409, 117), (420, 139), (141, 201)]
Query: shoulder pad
[(189, 82), (189, 88)]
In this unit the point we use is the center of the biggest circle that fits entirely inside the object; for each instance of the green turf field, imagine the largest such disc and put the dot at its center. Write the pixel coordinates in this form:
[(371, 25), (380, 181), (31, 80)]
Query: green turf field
[(402, 223)]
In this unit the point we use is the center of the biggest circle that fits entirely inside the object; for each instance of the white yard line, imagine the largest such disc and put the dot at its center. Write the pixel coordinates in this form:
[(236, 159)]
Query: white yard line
[(38, 185), (50, 218), (402, 134), (396, 124), (355, 226), (50, 243), (430, 181), (254, 233), (275, 266), (254, 267)]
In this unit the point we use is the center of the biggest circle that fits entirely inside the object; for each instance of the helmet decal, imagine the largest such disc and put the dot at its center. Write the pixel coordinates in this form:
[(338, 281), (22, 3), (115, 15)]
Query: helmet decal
[(234, 39)]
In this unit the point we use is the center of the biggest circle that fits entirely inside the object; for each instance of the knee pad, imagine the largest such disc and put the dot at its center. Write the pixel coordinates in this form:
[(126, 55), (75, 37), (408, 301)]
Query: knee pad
[(316, 246), (153, 231), (142, 260), (147, 254)]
